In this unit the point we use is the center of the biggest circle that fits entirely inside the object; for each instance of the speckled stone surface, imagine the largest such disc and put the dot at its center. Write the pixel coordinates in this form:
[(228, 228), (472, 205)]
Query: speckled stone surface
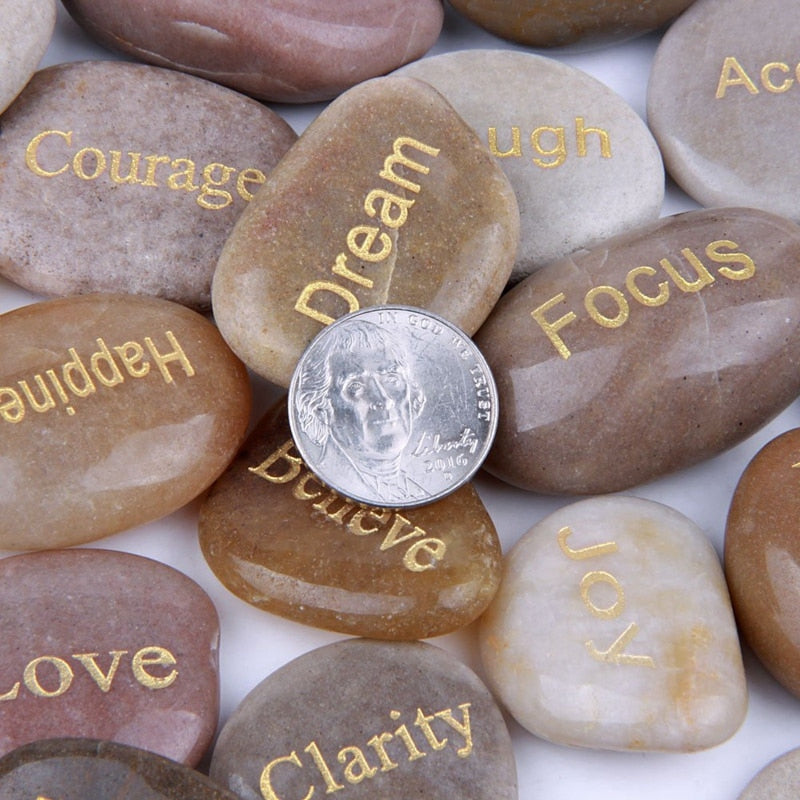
[(106, 645), (648, 353), (145, 169), (291, 51), (778, 780), (114, 411), (613, 629)]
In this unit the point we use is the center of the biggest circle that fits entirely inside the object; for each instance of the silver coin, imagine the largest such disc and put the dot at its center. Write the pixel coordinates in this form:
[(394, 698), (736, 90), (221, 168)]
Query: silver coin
[(393, 406)]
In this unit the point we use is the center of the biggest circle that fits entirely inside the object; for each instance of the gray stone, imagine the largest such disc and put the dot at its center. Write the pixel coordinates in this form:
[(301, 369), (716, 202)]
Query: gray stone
[(778, 780)]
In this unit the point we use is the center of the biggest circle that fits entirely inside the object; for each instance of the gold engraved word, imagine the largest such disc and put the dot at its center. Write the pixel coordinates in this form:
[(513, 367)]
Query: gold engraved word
[(80, 377), (90, 163), (51, 676), (795, 466), (774, 77), (392, 209), (423, 552), (549, 143), (615, 654), (356, 761), (608, 306)]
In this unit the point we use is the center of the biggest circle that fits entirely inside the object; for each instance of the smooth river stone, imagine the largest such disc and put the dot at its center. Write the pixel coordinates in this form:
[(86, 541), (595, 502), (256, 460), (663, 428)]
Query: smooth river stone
[(646, 354), (388, 197), (582, 163), (762, 557), (90, 769), (779, 780), (106, 645), (128, 178), (613, 629), (723, 100), (280, 540), (544, 23), (115, 410), (372, 719), (24, 35), (290, 51)]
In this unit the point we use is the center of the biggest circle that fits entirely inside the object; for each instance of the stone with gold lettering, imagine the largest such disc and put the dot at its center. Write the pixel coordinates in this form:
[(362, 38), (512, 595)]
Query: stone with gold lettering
[(646, 354), (388, 197), (762, 556), (731, 66), (582, 163), (145, 187), (368, 719), (778, 780), (358, 570), (114, 411), (106, 645), (613, 629)]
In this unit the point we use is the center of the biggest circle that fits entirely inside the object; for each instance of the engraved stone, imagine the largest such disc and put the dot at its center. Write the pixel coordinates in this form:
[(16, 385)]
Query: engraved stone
[(291, 51), (377, 719), (24, 35), (731, 66), (762, 557), (645, 354), (106, 645), (388, 197), (145, 170), (582, 163), (778, 780), (613, 629), (363, 571), (89, 769), (114, 410)]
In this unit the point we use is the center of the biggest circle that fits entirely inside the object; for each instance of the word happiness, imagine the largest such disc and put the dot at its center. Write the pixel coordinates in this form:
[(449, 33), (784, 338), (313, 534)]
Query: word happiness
[(81, 376)]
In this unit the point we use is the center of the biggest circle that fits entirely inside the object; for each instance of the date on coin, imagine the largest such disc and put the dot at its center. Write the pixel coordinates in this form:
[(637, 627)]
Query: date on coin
[(393, 406)]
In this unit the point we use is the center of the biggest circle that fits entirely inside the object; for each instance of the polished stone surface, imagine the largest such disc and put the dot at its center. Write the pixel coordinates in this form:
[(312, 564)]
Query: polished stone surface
[(723, 100), (778, 780), (646, 354), (388, 197), (114, 410), (91, 769), (583, 164), (291, 51), (762, 557), (110, 183), (613, 629), (277, 538), (368, 719), (106, 645)]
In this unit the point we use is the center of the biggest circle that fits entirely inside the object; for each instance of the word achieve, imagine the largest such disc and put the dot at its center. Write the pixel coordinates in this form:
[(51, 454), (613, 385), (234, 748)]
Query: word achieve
[(90, 163), (357, 766), (423, 552), (615, 654), (617, 309), (392, 209), (80, 377), (50, 676), (774, 77)]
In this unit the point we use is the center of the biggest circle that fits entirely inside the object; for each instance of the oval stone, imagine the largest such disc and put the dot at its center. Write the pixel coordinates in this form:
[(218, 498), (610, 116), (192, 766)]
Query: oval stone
[(778, 780), (583, 165), (731, 66), (106, 645), (115, 410), (99, 770), (762, 557), (388, 197), (613, 629), (646, 354), (378, 719), (280, 540), (144, 200), (292, 51)]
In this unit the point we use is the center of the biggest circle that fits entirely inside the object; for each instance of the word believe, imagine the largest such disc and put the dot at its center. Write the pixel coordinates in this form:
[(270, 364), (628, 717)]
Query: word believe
[(775, 77)]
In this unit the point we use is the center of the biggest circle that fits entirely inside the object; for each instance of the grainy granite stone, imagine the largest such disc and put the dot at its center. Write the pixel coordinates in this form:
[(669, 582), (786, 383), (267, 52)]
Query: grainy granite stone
[(778, 780), (645, 354), (106, 645), (613, 629), (128, 178), (114, 410)]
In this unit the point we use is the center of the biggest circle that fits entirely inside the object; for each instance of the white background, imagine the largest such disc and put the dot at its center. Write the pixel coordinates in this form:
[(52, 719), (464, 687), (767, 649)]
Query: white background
[(254, 643)]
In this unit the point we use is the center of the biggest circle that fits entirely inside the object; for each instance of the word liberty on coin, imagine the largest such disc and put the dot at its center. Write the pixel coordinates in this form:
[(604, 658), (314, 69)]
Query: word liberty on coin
[(393, 406)]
